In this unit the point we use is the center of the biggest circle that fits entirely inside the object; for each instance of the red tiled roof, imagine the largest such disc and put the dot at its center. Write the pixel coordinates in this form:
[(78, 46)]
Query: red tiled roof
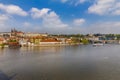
[(1, 39)]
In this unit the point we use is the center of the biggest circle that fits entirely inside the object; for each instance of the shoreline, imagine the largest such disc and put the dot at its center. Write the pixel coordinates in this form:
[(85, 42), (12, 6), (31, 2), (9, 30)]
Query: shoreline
[(46, 45), (49, 45)]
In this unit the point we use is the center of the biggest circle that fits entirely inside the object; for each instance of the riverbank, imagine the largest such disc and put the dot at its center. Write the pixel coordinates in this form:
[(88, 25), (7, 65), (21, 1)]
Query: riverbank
[(49, 45), (41, 45)]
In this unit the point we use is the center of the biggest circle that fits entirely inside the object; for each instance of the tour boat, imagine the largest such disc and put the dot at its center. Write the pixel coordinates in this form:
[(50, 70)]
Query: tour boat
[(98, 43)]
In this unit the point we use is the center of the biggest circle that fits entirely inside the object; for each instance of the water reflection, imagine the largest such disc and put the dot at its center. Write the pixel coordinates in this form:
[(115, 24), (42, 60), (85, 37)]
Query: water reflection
[(62, 63), (1, 52)]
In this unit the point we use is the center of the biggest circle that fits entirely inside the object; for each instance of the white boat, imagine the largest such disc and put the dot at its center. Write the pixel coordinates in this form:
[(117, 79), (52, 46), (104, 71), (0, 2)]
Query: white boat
[(98, 43)]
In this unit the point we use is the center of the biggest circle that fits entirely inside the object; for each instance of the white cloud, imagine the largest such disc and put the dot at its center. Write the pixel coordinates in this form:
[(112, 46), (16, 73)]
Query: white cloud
[(104, 27), (74, 2), (78, 22), (82, 1), (63, 1), (36, 13), (104, 7), (26, 24), (4, 26), (50, 19), (13, 9), (3, 18), (97, 27)]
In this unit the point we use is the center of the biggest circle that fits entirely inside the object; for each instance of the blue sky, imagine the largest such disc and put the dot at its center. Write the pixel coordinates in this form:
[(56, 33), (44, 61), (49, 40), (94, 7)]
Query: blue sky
[(61, 16)]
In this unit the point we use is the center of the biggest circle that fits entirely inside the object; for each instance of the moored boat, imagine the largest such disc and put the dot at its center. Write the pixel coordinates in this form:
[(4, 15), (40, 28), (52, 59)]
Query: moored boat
[(98, 43), (14, 45)]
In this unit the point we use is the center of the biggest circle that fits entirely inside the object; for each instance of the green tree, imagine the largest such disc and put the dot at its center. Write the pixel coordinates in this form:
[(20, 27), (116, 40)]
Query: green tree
[(85, 41)]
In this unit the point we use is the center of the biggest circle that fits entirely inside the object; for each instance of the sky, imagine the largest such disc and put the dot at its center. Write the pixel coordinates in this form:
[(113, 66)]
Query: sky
[(61, 16)]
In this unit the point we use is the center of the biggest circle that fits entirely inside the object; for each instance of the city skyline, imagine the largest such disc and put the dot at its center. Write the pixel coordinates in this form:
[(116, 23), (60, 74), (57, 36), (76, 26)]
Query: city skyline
[(61, 16)]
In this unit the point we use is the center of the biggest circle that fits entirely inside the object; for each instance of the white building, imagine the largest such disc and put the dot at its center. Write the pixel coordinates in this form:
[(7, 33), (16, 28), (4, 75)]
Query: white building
[(35, 34)]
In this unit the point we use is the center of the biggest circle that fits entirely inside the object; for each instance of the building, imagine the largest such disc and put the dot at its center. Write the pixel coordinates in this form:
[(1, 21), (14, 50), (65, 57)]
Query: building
[(50, 42), (35, 34), (1, 40), (16, 33), (5, 34)]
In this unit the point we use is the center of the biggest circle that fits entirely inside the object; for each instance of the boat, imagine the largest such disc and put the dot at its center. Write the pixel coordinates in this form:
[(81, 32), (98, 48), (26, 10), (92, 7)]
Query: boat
[(98, 43), (14, 45)]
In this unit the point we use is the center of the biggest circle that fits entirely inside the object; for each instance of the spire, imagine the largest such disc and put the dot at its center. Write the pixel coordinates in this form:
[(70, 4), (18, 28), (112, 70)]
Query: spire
[(11, 30)]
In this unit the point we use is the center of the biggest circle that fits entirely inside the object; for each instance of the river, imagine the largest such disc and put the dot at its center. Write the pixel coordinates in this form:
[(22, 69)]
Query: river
[(83, 62)]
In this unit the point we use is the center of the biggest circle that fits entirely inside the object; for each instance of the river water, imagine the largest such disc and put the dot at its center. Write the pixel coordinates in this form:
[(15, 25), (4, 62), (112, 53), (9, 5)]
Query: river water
[(83, 62)]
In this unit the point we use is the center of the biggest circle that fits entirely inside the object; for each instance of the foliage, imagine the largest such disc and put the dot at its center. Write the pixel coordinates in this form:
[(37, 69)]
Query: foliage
[(69, 35), (118, 36), (12, 40), (2, 45), (110, 36), (76, 40), (85, 41)]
